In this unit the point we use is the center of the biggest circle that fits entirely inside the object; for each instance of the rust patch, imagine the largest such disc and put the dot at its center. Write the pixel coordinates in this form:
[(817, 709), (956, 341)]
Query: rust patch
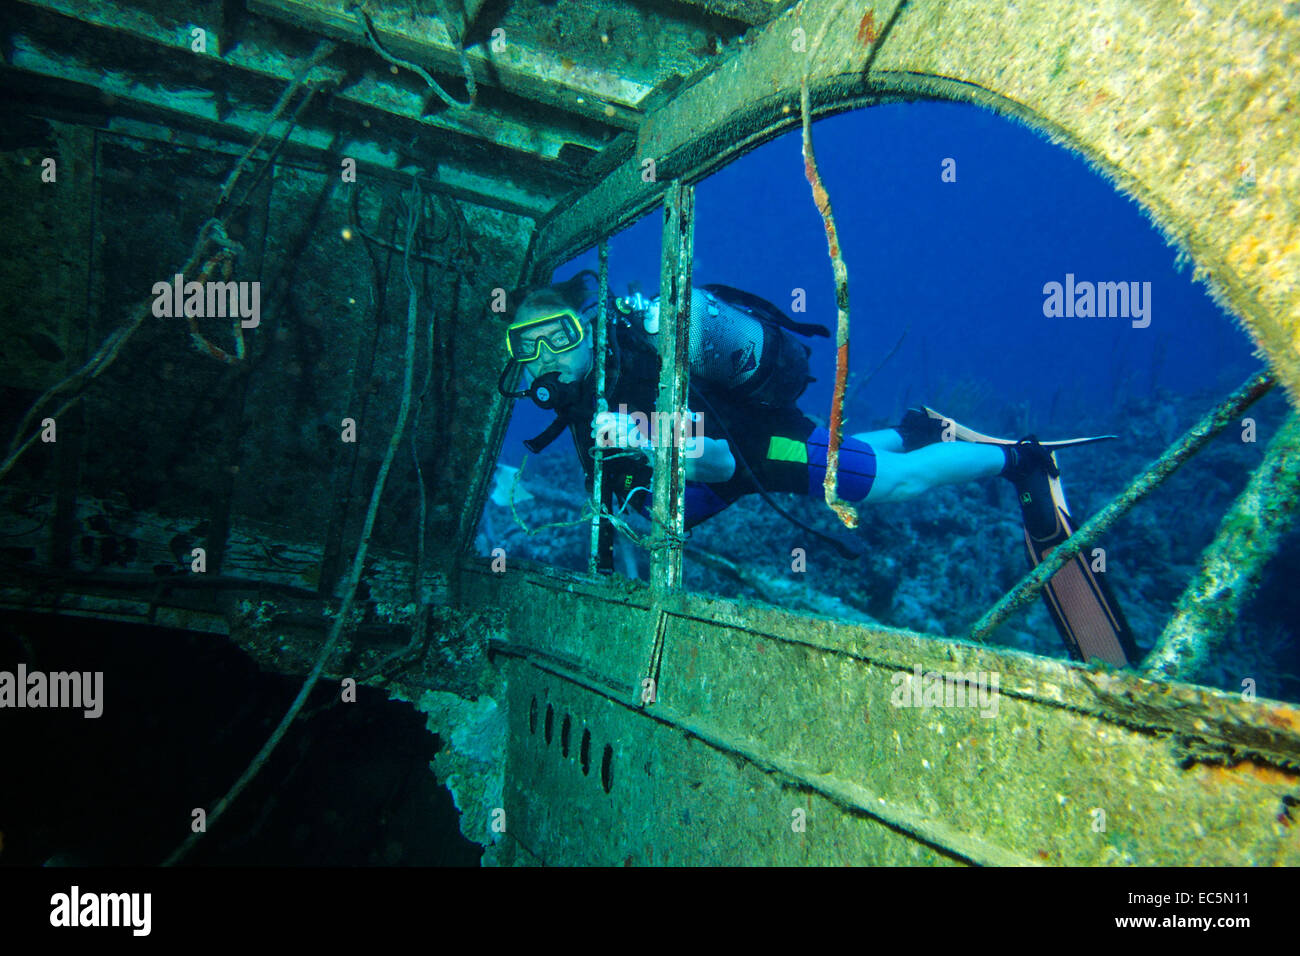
[(1247, 773), (867, 28), (1283, 717)]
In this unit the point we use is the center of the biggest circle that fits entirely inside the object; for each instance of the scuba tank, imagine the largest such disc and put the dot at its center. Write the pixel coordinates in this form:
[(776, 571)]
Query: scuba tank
[(741, 346)]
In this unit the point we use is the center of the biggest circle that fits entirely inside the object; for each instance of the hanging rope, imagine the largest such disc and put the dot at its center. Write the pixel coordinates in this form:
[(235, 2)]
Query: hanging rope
[(321, 53), (845, 511)]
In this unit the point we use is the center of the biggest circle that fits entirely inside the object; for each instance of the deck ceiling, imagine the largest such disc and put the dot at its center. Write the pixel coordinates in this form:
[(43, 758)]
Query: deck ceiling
[(562, 87)]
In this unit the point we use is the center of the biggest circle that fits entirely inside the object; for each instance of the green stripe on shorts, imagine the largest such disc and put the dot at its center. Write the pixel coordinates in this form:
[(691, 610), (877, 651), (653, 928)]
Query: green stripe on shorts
[(787, 449)]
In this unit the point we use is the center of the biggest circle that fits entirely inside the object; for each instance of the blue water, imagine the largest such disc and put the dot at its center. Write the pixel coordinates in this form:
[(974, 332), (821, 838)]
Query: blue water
[(963, 262)]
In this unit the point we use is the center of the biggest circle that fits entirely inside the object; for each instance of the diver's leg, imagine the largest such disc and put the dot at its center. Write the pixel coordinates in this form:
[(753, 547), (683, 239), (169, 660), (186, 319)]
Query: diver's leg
[(887, 439), (871, 470), (902, 477)]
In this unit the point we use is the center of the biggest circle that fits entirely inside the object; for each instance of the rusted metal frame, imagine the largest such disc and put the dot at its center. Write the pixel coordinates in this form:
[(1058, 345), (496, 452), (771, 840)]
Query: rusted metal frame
[(535, 74), (598, 521), (854, 798), (340, 622), (720, 136), (321, 144), (669, 508), (740, 104), (1232, 563), (261, 60), (1174, 456)]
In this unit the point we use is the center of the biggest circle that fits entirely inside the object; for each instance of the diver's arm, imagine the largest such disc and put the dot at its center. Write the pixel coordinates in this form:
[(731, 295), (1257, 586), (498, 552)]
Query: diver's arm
[(707, 459), (715, 463)]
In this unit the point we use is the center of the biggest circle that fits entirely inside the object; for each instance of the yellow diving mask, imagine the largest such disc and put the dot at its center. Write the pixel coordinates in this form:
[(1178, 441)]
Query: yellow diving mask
[(558, 332)]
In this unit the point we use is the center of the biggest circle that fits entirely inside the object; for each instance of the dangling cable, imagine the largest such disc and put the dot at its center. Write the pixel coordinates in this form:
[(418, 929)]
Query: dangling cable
[(846, 512), (415, 68)]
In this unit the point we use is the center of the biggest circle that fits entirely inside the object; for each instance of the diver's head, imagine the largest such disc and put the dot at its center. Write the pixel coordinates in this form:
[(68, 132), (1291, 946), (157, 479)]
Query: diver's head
[(551, 331), (549, 335)]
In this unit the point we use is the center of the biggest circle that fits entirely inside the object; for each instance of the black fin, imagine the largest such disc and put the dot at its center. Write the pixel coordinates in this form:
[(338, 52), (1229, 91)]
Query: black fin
[(1083, 608)]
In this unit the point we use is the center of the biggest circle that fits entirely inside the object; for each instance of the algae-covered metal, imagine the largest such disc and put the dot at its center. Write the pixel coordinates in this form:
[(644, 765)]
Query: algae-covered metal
[(695, 730)]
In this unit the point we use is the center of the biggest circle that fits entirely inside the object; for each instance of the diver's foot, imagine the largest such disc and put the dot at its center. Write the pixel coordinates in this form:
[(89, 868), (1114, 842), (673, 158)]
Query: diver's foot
[(918, 429), (1026, 459), (1029, 466)]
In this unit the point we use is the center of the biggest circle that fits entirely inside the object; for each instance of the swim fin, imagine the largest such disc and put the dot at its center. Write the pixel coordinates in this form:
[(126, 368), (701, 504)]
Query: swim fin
[(1085, 611), (962, 433)]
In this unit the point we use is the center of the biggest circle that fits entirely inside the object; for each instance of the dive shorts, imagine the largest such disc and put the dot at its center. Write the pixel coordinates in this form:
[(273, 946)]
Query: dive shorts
[(786, 453)]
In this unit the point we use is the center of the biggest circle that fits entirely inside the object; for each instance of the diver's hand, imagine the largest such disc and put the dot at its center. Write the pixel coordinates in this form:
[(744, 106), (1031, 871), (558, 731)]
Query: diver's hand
[(613, 430)]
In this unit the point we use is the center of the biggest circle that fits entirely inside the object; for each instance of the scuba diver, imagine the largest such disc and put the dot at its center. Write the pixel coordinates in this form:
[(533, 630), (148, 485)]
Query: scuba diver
[(747, 370)]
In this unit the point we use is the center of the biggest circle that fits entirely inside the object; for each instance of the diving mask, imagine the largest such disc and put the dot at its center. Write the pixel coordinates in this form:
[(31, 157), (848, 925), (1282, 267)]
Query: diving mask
[(559, 332)]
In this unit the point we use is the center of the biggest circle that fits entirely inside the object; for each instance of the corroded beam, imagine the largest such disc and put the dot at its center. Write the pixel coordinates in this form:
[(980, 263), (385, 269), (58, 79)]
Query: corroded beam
[(260, 57), (669, 506), (1173, 458), (243, 121), (1208, 611), (533, 73)]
